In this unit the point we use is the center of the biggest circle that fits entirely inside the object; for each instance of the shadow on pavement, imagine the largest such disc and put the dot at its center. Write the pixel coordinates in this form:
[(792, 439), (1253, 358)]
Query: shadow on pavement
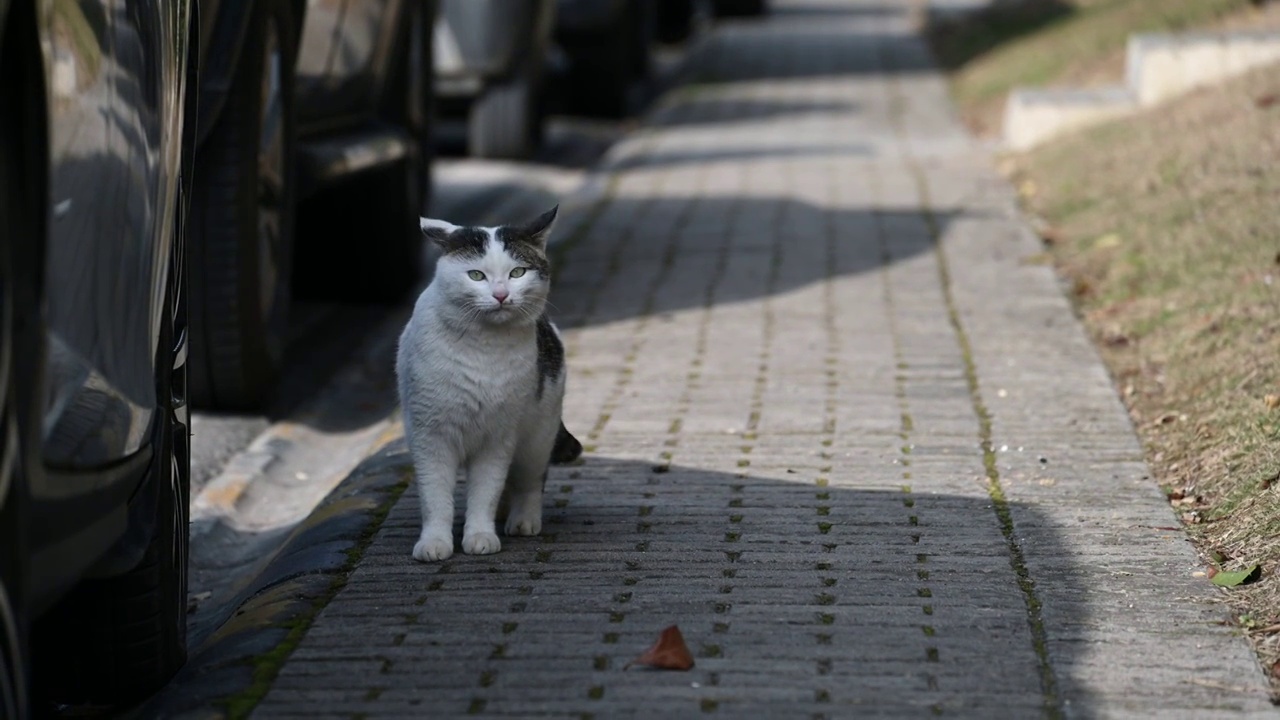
[(901, 596), (767, 245), (716, 111), (958, 38)]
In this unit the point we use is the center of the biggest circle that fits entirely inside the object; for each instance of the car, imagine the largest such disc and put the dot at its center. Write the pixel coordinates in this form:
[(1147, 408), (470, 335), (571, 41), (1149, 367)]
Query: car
[(492, 61), (96, 155), (312, 169), (608, 47)]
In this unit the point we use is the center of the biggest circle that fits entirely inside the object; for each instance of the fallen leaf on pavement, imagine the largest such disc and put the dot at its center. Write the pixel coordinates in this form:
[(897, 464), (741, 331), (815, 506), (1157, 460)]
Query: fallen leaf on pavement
[(1233, 578), (669, 653)]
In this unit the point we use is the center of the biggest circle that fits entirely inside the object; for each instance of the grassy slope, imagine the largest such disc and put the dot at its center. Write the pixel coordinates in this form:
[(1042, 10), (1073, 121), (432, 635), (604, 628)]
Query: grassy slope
[(1168, 226), (1045, 42)]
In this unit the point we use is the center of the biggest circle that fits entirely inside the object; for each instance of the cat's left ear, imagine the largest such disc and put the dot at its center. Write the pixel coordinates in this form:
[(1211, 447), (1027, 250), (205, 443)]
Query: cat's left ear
[(540, 228), (437, 231)]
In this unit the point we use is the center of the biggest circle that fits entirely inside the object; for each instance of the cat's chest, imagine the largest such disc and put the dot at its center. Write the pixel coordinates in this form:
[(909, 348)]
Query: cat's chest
[(489, 367)]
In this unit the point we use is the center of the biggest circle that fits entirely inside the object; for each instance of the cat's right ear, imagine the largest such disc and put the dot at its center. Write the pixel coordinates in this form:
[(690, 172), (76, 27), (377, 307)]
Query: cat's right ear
[(437, 231)]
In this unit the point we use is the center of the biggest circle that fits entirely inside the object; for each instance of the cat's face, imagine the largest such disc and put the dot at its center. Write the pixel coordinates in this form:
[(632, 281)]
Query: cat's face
[(494, 275)]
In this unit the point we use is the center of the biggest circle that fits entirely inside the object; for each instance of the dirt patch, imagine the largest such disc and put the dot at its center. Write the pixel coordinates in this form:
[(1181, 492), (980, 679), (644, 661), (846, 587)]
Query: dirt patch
[(1039, 43), (1165, 226)]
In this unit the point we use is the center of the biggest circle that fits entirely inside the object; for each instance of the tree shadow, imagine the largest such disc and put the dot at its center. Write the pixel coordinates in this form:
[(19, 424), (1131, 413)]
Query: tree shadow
[(720, 111), (959, 37), (744, 248), (668, 158), (794, 596)]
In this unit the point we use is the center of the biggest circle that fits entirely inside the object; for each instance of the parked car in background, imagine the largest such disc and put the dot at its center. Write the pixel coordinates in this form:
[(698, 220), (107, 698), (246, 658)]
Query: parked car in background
[(491, 70), (96, 146), (608, 47), (312, 169)]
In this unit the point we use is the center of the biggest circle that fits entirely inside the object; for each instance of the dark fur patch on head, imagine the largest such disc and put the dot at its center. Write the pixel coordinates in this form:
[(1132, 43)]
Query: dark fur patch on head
[(528, 242), (465, 242), (524, 248)]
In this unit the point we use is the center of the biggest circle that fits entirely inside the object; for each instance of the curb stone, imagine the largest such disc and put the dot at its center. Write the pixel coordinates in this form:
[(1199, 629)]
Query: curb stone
[(222, 677)]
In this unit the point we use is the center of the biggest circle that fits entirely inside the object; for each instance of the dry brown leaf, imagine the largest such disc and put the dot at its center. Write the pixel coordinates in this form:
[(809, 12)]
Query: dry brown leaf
[(1272, 400), (669, 653), (1266, 101), (1275, 670)]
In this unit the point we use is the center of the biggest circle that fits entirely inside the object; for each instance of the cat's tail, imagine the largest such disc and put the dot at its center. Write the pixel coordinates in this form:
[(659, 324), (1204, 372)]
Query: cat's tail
[(567, 448)]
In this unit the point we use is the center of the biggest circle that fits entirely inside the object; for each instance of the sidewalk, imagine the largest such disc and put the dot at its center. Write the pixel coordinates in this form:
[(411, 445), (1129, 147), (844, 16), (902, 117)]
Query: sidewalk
[(800, 313)]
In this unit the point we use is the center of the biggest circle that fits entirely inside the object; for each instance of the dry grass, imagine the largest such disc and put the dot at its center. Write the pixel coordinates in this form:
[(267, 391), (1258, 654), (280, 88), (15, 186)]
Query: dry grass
[(1060, 42), (1167, 226)]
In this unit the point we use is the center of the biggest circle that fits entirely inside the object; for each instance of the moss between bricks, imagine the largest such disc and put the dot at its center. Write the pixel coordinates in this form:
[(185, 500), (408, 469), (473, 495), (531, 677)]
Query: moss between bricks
[(1048, 681), (267, 665)]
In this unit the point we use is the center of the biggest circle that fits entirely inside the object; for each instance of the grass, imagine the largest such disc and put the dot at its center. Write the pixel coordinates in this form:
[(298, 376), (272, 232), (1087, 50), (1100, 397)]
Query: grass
[(1048, 42), (1165, 228)]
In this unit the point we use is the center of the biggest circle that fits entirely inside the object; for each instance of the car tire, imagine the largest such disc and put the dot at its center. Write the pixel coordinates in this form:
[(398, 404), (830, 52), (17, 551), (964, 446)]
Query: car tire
[(603, 68), (243, 220), (675, 20), (505, 121), (115, 640), (738, 8)]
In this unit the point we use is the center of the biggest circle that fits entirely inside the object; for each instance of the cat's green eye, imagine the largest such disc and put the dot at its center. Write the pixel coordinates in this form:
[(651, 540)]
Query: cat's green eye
[(518, 272), (475, 275)]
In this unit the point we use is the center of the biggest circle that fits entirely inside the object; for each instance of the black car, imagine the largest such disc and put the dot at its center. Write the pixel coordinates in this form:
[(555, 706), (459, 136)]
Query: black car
[(96, 153), (312, 171), (153, 154)]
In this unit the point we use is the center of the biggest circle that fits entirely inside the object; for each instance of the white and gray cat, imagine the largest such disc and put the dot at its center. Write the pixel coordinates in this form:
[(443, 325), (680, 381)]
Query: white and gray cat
[(482, 377)]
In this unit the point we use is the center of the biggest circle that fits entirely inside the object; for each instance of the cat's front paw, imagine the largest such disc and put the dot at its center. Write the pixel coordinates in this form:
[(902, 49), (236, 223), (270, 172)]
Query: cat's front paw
[(433, 549), (481, 543)]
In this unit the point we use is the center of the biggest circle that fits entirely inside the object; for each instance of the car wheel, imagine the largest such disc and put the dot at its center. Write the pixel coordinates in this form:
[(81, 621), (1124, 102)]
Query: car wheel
[(242, 230), (675, 20), (129, 631), (603, 68), (505, 120), (737, 8)]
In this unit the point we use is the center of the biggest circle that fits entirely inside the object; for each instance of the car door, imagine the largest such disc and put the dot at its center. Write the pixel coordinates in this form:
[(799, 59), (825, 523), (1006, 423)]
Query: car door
[(115, 146), (106, 251)]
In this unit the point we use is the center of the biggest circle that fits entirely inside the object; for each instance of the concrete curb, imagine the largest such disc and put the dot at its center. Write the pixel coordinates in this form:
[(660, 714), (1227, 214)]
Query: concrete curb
[(277, 606), (1159, 66)]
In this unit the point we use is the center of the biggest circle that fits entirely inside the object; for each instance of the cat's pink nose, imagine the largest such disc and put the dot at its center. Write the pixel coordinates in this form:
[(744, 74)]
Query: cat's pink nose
[(500, 294)]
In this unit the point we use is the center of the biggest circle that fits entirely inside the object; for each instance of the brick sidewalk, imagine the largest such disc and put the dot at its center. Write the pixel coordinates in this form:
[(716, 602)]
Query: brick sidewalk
[(786, 386)]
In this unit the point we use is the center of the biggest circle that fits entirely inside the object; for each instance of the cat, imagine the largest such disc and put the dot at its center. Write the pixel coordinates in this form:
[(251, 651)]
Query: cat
[(481, 376)]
